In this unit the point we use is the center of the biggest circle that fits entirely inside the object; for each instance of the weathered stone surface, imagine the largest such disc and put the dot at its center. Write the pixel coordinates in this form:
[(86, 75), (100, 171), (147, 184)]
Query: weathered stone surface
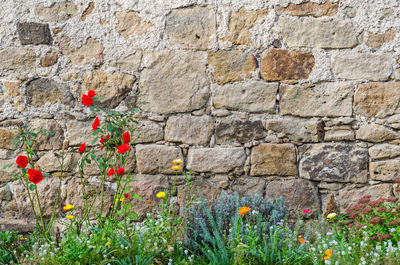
[(54, 134), (49, 60), (367, 66), (350, 195), (231, 66), (50, 162), (314, 33), (382, 151), (128, 63), (249, 186), (334, 162), (79, 132), (187, 88), (57, 12), (376, 41), (88, 53), (17, 58), (375, 133), (377, 99), (308, 9), (6, 138), (330, 206), (188, 129), (385, 170), (87, 11), (299, 194), (113, 87), (297, 130), (34, 33), (279, 64), (394, 121), (228, 131), (339, 133), (326, 99), (47, 190), (240, 23), (147, 187), (216, 160), (42, 90), (154, 159), (74, 195), (273, 159), (251, 96), (192, 27), (20, 225), (200, 188), (6, 173), (130, 22), (147, 132), (11, 87)]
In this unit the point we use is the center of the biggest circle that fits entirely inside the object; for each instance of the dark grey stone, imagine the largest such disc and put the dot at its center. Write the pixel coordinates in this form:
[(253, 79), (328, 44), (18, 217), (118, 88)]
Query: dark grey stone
[(34, 33)]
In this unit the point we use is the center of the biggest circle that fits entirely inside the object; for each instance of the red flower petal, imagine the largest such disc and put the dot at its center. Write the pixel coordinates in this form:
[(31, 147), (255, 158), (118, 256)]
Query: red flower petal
[(22, 161), (95, 123), (82, 148), (35, 176)]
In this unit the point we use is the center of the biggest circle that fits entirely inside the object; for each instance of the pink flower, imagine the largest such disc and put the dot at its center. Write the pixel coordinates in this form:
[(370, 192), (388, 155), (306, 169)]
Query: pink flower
[(306, 210), (127, 196)]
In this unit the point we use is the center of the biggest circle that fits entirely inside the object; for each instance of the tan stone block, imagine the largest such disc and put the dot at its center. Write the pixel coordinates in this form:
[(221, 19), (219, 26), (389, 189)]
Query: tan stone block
[(349, 196), (324, 99), (187, 88), (54, 134), (11, 88), (18, 59), (240, 24), (216, 160), (6, 174), (315, 33), (251, 96), (299, 194), (113, 87), (308, 9), (376, 133), (50, 162), (89, 53), (334, 162), (199, 188), (229, 131), (128, 63), (273, 159), (279, 64), (49, 60), (188, 129), (249, 186), (154, 159), (43, 90), (147, 132), (376, 41), (79, 132), (6, 138), (377, 99), (339, 133), (382, 151), (385, 170), (192, 27), (231, 66), (130, 22), (57, 12)]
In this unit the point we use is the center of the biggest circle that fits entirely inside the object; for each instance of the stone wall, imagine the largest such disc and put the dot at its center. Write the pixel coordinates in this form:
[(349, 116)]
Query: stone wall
[(300, 99)]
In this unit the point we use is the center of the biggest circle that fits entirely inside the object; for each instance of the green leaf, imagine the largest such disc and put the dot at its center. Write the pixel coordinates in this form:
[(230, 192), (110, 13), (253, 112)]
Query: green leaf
[(7, 166), (136, 197), (45, 174), (93, 156), (32, 187)]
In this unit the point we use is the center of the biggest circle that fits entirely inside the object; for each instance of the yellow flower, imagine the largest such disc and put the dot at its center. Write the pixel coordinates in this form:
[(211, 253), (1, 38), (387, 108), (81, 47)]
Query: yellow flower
[(177, 161), (22, 238), (68, 207), (244, 210), (122, 199), (161, 194), (328, 254), (70, 217), (176, 167), (331, 215)]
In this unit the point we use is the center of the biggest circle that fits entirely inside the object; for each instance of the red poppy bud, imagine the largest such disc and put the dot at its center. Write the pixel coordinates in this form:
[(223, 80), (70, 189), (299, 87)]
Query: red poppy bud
[(82, 148)]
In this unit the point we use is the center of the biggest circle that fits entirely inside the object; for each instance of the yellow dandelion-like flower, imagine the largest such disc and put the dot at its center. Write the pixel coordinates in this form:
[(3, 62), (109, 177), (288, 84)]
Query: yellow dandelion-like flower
[(70, 217), (177, 161), (331, 215), (22, 238), (68, 207), (176, 167), (122, 199), (161, 194)]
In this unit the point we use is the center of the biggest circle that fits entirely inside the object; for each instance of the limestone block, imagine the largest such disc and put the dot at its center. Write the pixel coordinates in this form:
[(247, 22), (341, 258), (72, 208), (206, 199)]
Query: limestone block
[(376, 41), (6, 138), (216, 160), (375, 133), (230, 131), (54, 134), (385, 170), (34, 33), (154, 159), (249, 186), (57, 12), (43, 90), (147, 132), (339, 133), (88, 53), (382, 151), (79, 132), (130, 22), (273, 159), (18, 59), (334, 162), (308, 9)]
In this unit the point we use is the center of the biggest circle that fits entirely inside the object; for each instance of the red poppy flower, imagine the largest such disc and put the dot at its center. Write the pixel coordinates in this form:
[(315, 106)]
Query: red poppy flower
[(104, 139), (95, 123), (91, 93), (123, 148), (127, 196), (87, 100), (82, 148), (22, 161), (111, 172), (126, 138), (120, 171), (35, 176)]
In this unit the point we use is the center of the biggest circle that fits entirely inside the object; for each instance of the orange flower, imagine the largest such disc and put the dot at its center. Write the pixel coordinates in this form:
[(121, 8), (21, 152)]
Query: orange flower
[(244, 210), (149, 202), (302, 240), (176, 167), (328, 254)]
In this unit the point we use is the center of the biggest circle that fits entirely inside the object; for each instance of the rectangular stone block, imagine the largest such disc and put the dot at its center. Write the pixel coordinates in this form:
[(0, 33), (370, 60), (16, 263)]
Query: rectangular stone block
[(251, 96), (364, 66), (216, 160), (324, 99), (333, 162), (147, 132), (308, 9), (382, 151), (229, 131), (155, 159), (273, 159), (314, 33), (34, 33), (339, 133), (385, 170)]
